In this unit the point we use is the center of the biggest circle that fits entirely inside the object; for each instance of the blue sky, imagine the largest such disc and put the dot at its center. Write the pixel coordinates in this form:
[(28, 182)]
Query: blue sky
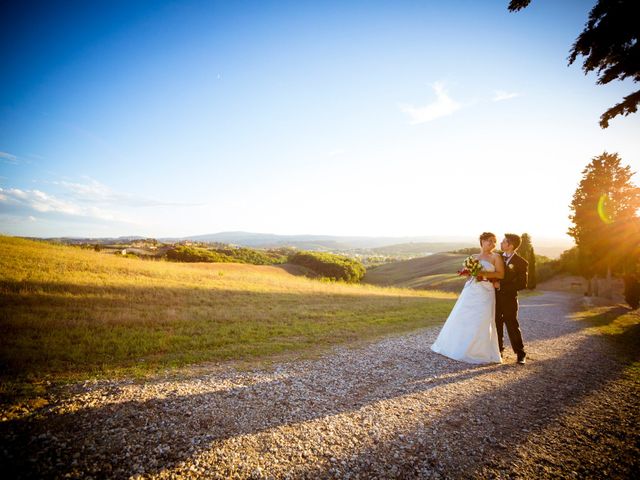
[(345, 118)]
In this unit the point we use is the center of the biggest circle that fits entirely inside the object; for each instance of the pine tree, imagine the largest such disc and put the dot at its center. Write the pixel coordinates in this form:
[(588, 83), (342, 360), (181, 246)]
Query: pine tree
[(527, 252)]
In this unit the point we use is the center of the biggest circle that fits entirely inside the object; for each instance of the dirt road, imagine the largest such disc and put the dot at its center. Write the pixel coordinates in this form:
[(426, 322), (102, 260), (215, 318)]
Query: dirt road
[(390, 409)]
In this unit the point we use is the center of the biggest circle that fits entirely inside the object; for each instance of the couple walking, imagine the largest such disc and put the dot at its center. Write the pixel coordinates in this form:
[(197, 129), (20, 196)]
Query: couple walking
[(474, 331)]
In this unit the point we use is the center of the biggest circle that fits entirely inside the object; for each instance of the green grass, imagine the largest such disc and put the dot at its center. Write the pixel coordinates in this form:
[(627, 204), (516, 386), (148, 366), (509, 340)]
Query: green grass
[(621, 326), (69, 314), (432, 272)]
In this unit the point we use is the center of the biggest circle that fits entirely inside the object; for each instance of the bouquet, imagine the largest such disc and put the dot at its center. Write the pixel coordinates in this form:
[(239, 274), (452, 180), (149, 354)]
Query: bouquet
[(472, 268)]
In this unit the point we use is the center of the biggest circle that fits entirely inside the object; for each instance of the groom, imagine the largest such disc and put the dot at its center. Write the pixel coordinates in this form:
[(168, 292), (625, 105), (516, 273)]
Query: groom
[(515, 278)]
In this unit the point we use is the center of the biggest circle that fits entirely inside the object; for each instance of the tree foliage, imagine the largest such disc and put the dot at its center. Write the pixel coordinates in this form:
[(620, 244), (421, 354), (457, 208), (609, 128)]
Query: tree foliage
[(182, 253), (610, 46), (604, 215), (252, 256), (527, 252), (335, 267)]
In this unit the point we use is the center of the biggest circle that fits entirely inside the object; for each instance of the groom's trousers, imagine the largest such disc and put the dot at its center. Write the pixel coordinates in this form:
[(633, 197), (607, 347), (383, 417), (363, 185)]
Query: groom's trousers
[(507, 314)]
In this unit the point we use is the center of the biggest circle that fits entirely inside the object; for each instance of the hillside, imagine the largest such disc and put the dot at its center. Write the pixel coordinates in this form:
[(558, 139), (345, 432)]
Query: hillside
[(323, 242), (69, 312), (421, 248), (433, 272)]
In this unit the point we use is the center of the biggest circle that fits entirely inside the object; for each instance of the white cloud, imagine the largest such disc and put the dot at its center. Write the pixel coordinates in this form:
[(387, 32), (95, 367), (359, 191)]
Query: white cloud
[(98, 193), (8, 158), (38, 201), (500, 95), (443, 105)]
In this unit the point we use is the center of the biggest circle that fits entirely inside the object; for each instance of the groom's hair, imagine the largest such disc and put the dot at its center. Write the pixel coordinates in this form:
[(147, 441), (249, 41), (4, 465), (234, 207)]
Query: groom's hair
[(513, 239), (486, 236)]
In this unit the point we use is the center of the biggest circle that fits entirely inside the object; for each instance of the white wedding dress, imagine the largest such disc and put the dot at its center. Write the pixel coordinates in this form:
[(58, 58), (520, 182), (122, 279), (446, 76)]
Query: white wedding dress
[(470, 333)]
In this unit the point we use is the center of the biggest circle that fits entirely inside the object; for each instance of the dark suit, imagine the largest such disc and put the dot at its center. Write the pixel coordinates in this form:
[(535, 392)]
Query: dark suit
[(515, 278)]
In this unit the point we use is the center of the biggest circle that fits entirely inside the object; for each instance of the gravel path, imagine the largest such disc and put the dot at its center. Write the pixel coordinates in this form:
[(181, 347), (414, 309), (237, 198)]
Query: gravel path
[(390, 409)]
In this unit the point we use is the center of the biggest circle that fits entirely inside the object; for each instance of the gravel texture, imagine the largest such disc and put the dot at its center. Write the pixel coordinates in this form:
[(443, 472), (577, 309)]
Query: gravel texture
[(389, 409)]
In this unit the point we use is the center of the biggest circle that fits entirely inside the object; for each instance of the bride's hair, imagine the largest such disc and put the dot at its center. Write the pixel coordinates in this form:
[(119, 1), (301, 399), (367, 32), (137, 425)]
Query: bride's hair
[(486, 236)]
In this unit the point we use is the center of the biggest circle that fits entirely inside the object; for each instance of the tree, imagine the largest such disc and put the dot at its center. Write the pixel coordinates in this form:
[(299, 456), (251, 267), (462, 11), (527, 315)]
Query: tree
[(610, 45), (526, 251), (605, 222), (632, 266), (632, 291)]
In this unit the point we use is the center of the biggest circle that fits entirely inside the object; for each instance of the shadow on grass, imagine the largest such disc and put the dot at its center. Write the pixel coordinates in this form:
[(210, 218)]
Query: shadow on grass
[(620, 325), (178, 427), (84, 442), (72, 331)]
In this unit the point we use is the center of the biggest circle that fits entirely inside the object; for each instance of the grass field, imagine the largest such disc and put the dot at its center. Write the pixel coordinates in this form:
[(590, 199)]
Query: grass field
[(621, 326), (69, 314), (433, 272)]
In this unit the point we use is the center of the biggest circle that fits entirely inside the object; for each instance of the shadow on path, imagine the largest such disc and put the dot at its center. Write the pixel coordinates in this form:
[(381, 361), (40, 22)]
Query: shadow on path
[(175, 428)]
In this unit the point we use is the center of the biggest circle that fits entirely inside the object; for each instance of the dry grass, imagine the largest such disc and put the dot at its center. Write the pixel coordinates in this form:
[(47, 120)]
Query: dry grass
[(434, 272), (69, 313)]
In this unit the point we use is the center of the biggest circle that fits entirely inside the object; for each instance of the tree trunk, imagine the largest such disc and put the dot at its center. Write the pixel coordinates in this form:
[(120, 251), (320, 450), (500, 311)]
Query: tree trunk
[(608, 293)]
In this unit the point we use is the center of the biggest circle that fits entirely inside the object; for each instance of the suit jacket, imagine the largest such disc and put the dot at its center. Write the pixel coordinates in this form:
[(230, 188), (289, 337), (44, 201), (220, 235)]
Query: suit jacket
[(516, 274)]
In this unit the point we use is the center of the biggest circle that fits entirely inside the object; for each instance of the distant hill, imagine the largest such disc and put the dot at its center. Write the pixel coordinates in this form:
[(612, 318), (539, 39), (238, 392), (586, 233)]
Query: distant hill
[(100, 240), (434, 272), (551, 251), (326, 242), (384, 246)]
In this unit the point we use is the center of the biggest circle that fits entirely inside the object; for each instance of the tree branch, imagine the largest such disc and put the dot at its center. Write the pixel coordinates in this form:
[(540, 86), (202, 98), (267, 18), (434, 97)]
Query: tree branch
[(627, 106), (516, 5)]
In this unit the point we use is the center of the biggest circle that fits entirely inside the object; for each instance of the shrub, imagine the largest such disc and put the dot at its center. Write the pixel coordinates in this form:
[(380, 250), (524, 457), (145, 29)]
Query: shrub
[(249, 255), (181, 253), (331, 266), (546, 268)]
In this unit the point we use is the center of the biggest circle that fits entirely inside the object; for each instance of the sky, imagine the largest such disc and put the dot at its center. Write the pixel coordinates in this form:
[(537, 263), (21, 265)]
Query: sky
[(373, 118)]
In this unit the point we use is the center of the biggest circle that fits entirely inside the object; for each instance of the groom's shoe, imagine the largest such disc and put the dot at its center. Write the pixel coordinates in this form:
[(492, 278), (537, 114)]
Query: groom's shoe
[(522, 358)]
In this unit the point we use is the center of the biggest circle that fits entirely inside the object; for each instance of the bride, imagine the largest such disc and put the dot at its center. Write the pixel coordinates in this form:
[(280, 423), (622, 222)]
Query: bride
[(470, 333)]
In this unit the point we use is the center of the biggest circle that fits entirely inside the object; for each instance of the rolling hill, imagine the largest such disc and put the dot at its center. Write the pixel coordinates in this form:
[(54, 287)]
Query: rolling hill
[(70, 312), (433, 272)]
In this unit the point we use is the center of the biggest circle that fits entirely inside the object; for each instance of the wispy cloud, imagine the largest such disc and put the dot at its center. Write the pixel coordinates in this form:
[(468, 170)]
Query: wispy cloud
[(30, 201), (500, 95), (95, 192), (8, 158), (443, 105)]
